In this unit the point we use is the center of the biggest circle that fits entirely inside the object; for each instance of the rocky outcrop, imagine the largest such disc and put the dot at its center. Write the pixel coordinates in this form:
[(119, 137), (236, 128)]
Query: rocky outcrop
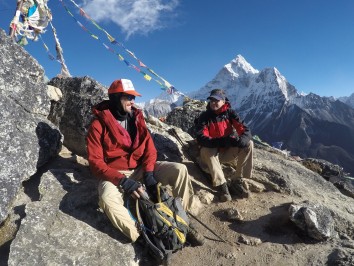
[(72, 112), (27, 139), (333, 173), (65, 226), (184, 116)]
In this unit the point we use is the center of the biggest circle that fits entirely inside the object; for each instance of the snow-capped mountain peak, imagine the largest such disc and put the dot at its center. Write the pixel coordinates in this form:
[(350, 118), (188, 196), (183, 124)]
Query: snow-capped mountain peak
[(240, 66), (272, 80)]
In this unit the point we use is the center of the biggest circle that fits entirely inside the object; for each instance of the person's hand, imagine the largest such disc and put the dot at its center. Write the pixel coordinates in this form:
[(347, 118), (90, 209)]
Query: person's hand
[(149, 179), (131, 186), (139, 193), (242, 143), (233, 139), (151, 185)]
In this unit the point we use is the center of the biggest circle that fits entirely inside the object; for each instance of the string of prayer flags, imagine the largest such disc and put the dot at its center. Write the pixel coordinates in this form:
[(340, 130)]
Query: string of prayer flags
[(165, 85)]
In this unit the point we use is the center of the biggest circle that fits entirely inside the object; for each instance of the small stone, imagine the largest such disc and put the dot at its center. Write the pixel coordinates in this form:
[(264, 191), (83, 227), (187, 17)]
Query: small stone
[(234, 214), (242, 239)]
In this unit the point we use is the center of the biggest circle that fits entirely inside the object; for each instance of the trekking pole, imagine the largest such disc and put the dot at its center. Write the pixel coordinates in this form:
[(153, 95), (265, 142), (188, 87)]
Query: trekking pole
[(207, 227)]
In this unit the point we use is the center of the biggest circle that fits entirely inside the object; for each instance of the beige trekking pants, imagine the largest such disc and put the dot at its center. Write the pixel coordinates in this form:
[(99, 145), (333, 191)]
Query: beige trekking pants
[(240, 158), (167, 173)]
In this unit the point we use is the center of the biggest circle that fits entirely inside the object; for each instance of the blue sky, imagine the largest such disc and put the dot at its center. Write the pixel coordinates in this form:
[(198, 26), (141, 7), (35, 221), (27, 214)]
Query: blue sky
[(311, 42)]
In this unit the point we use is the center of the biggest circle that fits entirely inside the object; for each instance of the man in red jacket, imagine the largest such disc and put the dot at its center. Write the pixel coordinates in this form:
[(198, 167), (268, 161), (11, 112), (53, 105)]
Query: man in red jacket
[(224, 138), (121, 152)]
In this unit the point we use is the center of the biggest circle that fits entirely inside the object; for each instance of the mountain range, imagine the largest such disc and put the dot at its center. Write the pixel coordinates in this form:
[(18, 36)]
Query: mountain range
[(307, 125)]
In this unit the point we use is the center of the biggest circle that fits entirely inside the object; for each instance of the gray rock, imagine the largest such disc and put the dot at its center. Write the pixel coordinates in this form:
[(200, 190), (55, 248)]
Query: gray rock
[(183, 117), (27, 139), (341, 257), (168, 147), (314, 219), (65, 228), (333, 173), (22, 78), (72, 113), (234, 214), (322, 167)]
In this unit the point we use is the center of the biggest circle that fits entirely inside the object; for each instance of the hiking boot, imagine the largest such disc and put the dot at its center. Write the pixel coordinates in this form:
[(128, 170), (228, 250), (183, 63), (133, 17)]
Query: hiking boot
[(237, 189), (224, 193), (194, 238)]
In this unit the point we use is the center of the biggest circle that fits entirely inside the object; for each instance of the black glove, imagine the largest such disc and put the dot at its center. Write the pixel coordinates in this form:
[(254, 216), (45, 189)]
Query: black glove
[(149, 179), (242, 143), (223, 142), (150, 183), (129, 185), (234, 140)]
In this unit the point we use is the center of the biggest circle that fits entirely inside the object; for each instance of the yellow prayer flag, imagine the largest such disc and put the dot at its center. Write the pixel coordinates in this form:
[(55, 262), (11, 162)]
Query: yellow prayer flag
[(110, 38), (147, 77)]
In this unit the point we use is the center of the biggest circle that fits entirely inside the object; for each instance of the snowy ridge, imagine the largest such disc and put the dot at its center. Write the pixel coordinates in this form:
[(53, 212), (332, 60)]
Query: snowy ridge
[(163, 104), (348, 100)]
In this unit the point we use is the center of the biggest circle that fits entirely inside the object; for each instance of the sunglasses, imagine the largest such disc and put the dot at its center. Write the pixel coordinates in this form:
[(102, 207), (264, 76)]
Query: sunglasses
[(129, 97), (214, 100)]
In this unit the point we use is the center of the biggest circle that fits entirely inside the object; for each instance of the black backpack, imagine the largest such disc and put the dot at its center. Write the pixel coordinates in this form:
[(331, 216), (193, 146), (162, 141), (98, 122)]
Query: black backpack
[(164, 225)]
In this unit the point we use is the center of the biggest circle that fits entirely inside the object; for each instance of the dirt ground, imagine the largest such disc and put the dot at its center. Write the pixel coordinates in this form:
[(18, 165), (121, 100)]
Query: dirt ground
[(265, 236)]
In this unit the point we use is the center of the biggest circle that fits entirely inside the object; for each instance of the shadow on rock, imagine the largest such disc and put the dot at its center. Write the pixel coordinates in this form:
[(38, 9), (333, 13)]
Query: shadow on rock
[(49, 143), (81, 202)]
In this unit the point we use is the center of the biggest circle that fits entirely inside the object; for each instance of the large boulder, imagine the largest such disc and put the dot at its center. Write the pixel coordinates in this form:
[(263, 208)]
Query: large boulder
[(184, 116), (65, 226), (316, 220), (27, 139), (72, 112)]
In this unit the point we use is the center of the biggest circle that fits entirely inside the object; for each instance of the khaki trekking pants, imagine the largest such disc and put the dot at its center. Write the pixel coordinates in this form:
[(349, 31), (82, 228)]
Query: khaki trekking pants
[(240, 158), (167, 173)]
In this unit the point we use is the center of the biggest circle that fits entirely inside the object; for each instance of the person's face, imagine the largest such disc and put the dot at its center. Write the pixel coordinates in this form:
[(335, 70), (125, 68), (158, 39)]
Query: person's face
[(216, 104), (127, 102)]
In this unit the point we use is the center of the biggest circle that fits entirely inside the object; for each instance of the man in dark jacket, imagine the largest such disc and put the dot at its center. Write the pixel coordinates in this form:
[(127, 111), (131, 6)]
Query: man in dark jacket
[(224, 138), (121, 152)]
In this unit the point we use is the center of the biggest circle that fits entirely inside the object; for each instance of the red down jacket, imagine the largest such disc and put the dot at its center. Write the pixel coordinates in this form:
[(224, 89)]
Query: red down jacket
[(110, 148), (212, 127)]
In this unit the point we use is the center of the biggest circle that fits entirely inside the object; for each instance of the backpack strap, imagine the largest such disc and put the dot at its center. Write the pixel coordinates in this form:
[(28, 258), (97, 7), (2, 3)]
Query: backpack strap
[(142, 230)]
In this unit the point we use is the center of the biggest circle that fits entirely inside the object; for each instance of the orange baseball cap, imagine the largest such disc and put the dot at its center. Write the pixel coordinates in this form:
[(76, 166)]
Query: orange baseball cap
[(124, 86)]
